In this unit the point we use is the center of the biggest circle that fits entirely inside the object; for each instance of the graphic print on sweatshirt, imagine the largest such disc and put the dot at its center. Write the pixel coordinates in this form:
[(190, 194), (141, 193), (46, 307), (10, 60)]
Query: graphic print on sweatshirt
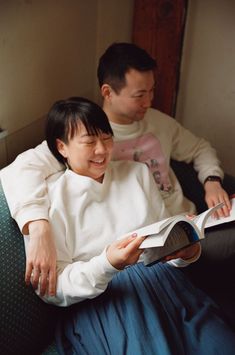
[(145, 149)]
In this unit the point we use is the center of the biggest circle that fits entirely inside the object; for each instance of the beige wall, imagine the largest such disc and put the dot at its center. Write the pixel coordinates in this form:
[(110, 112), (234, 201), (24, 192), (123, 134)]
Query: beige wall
[(45, 43), (206, 102), (49, 50), (114, 24)]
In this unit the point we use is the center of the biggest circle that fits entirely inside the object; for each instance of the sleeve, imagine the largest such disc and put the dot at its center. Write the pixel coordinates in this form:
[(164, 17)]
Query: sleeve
[(183, 263), (79, 280), (24, 184), (190, 148)]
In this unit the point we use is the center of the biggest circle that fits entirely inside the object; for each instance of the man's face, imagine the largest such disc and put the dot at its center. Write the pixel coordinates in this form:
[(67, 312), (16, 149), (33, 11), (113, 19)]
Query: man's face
[(133, 100)]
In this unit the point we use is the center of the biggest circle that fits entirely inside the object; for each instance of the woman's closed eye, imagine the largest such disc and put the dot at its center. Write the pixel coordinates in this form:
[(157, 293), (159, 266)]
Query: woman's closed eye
[(88, 140), (107, 137)]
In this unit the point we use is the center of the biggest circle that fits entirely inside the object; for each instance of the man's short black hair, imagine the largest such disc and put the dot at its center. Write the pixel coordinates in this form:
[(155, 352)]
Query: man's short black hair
[(118, 59)]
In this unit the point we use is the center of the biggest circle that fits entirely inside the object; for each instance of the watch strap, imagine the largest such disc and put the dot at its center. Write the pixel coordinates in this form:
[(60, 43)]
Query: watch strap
[(213, 178)]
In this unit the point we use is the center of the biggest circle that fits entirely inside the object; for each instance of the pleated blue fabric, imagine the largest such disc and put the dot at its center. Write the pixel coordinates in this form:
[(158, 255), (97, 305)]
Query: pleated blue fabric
[(146, 310)]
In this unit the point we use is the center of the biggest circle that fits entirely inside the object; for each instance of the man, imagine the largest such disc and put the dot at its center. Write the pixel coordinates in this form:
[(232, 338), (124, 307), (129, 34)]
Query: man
[(126, 78)]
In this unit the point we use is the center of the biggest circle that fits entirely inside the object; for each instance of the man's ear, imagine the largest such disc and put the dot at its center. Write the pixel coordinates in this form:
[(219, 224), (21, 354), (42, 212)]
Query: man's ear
[(61, 147), (106, 91)]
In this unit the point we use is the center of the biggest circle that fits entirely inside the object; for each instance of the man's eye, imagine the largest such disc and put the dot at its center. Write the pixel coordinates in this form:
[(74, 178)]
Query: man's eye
[(138, 97)]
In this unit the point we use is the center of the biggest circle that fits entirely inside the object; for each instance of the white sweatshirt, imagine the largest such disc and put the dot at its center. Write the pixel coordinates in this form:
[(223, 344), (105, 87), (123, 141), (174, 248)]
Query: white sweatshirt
[(86, 216), (154, 141)]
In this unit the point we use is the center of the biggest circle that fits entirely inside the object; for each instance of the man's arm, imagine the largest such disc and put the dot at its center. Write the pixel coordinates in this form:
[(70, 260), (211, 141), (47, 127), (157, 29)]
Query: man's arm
[(214, 194), (190, 148), (25, 188), (41, 258), (24, 184)]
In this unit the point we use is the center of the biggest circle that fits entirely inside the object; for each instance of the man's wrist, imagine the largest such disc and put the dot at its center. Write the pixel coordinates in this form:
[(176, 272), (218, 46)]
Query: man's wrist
[(213, 178), (38, 227)]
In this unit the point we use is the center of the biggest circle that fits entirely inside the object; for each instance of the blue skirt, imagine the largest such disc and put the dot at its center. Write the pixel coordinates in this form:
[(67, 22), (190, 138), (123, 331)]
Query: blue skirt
[(146, 310)]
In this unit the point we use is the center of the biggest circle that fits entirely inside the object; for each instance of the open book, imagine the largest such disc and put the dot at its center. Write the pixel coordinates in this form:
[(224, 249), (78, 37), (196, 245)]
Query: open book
[(174, 233)]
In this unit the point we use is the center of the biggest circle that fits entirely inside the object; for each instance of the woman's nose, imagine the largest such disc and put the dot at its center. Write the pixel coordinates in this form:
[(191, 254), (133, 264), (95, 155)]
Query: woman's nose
[(100, 147)]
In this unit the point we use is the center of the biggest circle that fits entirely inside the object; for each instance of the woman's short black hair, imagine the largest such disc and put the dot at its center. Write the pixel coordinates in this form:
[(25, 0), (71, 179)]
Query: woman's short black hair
[(64, 116)]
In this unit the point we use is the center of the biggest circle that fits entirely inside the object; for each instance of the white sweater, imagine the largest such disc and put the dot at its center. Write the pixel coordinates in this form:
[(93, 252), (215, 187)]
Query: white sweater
[(86, 216), (154, 141)]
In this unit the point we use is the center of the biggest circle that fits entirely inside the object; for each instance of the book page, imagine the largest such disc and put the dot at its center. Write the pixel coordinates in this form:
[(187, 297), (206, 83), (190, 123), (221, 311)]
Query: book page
[(170, 235), (151, 229), (182, 235), (203, 217)]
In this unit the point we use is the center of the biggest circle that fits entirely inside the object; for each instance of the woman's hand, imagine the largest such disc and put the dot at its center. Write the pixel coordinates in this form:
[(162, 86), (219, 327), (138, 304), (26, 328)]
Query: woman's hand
[(125, 251), (189, 252), (41, 258)]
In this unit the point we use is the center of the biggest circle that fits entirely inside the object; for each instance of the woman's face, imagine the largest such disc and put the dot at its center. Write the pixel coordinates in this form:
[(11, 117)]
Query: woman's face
[(87, 155)]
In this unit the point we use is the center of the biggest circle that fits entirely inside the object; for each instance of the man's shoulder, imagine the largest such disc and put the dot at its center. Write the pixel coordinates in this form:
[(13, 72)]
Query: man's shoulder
[(158, 122), (153, 114)]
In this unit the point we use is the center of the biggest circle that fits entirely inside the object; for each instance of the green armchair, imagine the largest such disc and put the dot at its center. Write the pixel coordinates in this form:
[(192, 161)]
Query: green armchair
[(27, 324)]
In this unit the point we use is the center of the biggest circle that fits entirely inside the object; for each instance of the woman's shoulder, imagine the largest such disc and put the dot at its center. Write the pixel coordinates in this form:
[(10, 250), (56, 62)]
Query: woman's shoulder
[(66, 182)]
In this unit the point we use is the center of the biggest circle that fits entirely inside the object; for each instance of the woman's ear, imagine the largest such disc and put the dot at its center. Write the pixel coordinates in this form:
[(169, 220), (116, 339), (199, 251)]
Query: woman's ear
[(106, 91), (61, 147)]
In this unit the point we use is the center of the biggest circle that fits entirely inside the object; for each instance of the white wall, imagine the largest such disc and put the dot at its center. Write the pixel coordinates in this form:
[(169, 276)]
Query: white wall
[(206, 101), (49, 50)]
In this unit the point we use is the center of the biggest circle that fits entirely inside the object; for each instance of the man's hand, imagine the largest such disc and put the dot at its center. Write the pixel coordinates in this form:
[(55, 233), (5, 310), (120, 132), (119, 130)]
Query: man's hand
[(214, 194), (41, 258), (185, 253), (125, 251)]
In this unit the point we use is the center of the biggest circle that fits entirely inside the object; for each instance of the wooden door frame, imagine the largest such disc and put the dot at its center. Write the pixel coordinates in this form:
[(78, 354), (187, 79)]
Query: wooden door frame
[(158, 27)]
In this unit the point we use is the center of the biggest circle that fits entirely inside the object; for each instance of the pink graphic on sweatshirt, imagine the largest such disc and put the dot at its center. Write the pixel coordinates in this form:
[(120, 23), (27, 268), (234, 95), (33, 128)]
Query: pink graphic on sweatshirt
[(145, 149)]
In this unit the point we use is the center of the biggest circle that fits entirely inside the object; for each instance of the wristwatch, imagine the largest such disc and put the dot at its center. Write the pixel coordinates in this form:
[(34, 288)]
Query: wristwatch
[(213, 178)]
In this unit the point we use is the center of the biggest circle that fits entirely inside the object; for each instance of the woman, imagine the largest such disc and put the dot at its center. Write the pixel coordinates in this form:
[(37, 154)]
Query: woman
[(139, 310)]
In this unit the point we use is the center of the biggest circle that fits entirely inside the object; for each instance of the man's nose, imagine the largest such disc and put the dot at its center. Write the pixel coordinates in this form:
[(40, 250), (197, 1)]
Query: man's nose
[(147, 100)]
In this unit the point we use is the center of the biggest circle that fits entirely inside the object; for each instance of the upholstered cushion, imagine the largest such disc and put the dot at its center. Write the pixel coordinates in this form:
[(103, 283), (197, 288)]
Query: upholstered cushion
[(26, 323)]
